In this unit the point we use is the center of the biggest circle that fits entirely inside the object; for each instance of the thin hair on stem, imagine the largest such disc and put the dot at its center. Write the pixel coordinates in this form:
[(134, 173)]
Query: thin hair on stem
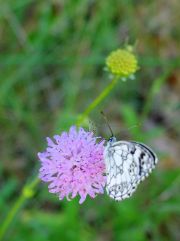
[(107, 123)]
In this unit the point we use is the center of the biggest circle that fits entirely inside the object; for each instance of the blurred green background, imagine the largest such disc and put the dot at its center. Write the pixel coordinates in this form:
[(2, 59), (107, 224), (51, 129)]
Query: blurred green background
[(52, 56)]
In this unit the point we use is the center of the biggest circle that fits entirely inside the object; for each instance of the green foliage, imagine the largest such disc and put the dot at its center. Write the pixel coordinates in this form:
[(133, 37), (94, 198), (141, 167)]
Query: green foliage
[(52, 59)]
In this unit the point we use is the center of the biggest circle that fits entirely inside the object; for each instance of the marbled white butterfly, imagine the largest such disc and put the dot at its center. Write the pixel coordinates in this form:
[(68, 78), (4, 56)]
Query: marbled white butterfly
[(127, 164)]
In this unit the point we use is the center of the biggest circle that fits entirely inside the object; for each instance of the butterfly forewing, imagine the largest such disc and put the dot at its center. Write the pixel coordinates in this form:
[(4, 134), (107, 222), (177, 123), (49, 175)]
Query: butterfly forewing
[(147, 159), (127, 163)]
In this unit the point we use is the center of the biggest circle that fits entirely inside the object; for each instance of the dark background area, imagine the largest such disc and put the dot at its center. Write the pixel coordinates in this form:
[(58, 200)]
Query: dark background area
[(52, 55)]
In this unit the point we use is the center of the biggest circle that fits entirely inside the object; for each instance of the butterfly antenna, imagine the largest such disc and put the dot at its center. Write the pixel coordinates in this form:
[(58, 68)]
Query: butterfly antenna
[(107, 123), (129, 128), (134, 126)]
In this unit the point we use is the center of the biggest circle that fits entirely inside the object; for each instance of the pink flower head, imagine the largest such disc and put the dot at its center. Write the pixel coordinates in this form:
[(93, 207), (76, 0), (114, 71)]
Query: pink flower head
[(73, 164)]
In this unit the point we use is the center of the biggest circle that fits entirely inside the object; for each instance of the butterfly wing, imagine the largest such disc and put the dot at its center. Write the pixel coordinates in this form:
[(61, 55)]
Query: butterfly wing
[(146, 157), (127, 163)]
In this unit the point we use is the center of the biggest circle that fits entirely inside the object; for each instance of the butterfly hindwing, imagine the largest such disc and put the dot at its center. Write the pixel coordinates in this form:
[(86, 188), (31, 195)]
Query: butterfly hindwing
[(127, 163)]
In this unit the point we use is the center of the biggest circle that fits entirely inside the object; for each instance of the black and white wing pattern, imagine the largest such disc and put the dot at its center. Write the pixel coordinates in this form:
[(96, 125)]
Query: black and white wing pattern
[(127, 164)]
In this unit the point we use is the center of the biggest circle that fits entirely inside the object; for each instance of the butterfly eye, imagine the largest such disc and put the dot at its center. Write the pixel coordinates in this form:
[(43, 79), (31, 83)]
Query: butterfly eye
[(111, 139)]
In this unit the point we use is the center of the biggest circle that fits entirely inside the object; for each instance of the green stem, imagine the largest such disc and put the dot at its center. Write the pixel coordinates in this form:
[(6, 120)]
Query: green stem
[(28, 190), (101, 97)]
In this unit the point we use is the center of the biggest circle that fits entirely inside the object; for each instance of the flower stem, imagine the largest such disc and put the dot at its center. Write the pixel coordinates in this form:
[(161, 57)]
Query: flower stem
[(28, 189), (99, 99), (27, 192)]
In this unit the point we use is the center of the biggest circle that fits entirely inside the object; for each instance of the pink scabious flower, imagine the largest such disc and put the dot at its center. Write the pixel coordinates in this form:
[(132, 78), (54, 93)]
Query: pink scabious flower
[(73, 164)]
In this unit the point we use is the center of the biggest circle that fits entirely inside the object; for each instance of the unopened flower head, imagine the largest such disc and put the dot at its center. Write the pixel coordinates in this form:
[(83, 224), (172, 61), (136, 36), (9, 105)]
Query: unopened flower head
[(122, 62), (73, 164)]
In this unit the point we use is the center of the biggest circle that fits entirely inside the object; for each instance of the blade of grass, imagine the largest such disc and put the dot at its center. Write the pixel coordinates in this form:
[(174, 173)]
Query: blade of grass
[(155, 88)]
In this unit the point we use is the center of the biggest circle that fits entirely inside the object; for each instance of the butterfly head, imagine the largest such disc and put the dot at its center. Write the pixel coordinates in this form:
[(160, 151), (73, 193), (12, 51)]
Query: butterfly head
[(112, 139)]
